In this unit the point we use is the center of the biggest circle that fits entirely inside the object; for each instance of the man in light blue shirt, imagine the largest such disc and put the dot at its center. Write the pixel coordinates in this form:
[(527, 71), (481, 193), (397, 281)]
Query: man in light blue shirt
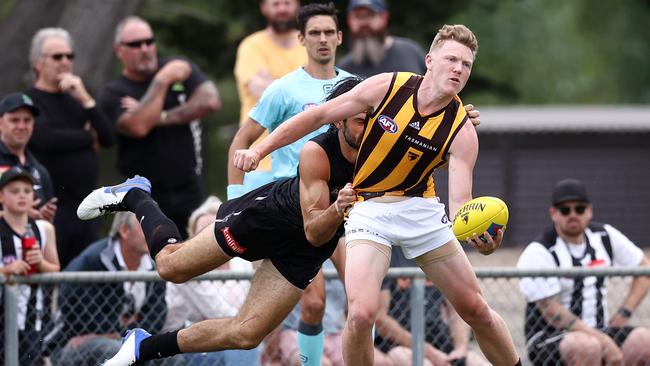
[(297, 91)]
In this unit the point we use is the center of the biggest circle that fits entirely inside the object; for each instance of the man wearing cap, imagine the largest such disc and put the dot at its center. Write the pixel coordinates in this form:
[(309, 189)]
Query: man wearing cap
[(566, 318), (17, 113), (372, 49)]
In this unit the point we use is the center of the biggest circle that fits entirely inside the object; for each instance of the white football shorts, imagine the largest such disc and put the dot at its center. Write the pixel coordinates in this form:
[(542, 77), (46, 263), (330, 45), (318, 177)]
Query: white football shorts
[(416, 224)]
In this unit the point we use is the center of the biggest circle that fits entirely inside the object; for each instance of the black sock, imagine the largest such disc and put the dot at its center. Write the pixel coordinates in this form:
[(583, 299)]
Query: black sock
[(158, 229), (159, 346)]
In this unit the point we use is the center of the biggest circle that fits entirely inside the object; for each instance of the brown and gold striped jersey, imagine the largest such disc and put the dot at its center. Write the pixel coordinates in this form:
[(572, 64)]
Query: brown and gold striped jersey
[(400, 148)]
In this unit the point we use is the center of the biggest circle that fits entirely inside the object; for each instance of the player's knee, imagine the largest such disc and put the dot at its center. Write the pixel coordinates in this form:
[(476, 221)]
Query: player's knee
[(475, 311), (361, 318), (580, 346), (313, 309)]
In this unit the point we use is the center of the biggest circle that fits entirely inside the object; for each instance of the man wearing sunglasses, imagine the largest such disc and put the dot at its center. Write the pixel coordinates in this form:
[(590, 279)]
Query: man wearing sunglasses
[(67, 135), (157, 106), (566, 318)]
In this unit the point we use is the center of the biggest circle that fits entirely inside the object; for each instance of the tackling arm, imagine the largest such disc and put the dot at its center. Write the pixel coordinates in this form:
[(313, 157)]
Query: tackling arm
[(321, 220), (362, 98)]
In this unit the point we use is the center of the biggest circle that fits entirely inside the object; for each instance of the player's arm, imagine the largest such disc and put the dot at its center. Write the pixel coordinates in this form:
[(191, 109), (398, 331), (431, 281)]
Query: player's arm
[(204, 99), (142, 116), (462, 158), (362, 98), (244, 138), (321, 220)]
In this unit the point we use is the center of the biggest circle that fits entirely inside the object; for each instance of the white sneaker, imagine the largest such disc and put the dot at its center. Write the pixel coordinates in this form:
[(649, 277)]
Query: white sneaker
[(106, 200), (129, 353)]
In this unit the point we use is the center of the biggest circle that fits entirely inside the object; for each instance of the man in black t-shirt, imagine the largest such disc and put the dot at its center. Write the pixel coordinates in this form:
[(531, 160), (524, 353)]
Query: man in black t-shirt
[(67, 134), (156, 106)]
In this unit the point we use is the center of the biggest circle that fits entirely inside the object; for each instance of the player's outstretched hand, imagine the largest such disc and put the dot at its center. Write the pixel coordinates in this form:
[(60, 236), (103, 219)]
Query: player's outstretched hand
[(346, 198), (490, 244), (473, 114), (246, 159)]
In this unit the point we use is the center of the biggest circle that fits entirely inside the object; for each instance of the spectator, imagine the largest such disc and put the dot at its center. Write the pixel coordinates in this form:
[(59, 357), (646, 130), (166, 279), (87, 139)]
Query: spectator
[(16, 196), (156, 108), (94, 315), (67, 135), (372, 49), (194, 301), (17, 113), (333, 322), (566, 318), (264, 56), (446, 334)]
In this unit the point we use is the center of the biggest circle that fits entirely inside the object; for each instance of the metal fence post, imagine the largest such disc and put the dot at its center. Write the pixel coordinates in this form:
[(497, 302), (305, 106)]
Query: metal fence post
[(11, 324), (417, 320)]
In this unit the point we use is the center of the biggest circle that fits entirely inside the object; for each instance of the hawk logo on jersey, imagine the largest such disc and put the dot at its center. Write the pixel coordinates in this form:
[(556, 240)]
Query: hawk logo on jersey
[(309, 106), (387, 124), (412, 156)]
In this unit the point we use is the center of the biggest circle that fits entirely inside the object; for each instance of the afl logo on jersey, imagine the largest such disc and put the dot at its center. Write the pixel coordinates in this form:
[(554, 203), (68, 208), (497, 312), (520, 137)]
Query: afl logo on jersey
[(387, 124), (309, 106)]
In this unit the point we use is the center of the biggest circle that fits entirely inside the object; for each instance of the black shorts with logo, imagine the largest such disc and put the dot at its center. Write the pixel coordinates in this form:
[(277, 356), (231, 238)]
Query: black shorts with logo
[(267, 223)]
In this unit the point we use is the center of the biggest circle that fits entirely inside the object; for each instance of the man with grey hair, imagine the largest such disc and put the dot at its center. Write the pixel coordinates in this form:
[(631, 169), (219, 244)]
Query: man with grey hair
[(156, 107), (67, 135), (94, 315)]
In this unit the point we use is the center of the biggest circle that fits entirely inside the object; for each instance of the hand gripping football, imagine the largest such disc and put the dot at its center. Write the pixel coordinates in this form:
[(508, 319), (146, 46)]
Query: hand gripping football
[(479, 215)]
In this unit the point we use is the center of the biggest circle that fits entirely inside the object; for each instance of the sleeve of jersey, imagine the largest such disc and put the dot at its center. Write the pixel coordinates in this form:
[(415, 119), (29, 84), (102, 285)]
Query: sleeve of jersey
[(269, 110), (536, 256), (625, 252)]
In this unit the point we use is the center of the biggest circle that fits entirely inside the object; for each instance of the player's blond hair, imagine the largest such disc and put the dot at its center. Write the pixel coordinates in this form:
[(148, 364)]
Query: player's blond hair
[(458, 33)]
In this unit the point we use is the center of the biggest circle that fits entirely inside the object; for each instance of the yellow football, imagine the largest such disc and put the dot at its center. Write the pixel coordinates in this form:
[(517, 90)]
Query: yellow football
[(480, 215)]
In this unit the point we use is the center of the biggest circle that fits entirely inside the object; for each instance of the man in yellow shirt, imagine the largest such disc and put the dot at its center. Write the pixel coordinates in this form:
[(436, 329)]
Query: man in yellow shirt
[(264, 56)]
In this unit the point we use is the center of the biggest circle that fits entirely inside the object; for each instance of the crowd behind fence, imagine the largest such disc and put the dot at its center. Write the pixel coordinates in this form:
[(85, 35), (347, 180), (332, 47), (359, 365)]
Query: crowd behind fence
[(499, 284)]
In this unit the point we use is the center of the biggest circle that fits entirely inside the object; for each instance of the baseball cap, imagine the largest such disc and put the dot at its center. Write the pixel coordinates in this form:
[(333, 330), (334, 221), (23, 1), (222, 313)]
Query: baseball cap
[(15, 173), (13, 101), (374, 5), (569, 190)]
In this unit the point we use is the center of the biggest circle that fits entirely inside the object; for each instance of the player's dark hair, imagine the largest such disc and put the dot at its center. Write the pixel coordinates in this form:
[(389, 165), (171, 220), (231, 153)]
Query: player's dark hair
[(343, 86), (311, 10)]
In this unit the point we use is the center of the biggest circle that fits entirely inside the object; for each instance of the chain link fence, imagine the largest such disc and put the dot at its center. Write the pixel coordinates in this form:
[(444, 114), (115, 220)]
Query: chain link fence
[(78, 318)]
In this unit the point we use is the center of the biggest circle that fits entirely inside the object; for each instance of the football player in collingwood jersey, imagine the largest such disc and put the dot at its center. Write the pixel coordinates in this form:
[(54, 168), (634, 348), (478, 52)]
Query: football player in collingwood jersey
[(416, 124)]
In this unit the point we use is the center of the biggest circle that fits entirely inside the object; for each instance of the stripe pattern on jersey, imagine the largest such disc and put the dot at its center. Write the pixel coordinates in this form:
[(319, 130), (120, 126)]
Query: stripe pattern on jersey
[(400, 148)]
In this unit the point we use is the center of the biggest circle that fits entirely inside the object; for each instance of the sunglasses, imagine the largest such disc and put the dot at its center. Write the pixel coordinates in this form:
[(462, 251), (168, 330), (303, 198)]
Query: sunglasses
[(566, 210), (138, 43), (60, 56)]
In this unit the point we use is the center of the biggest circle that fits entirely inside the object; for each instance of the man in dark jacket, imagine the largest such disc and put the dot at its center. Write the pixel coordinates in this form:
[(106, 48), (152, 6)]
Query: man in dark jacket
[(94, 315)]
